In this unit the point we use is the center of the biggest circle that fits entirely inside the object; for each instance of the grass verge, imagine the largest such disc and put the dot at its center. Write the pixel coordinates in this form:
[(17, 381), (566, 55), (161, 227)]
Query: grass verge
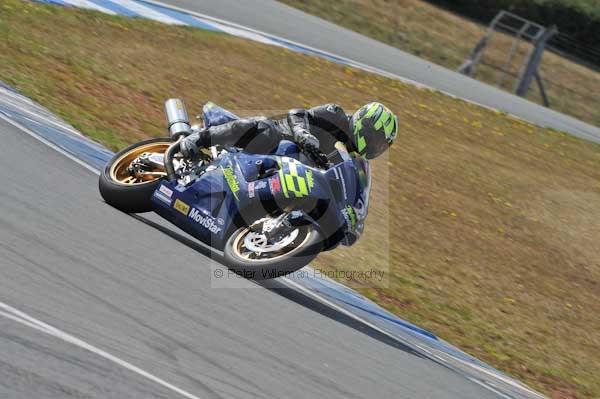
[(494, 222), (442, 37)]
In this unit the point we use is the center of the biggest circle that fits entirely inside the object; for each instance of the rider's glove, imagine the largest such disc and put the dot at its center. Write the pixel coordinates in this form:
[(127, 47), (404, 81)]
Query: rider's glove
[(315, 154), (310, 146), (306, 140), (190, 146)]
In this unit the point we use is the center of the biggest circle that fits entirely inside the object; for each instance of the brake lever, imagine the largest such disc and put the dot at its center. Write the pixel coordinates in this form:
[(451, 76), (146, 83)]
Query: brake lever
[(317, 156)]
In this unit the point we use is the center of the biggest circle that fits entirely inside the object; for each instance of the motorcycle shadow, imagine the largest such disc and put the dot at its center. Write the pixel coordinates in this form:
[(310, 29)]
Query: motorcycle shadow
[(279, 287)]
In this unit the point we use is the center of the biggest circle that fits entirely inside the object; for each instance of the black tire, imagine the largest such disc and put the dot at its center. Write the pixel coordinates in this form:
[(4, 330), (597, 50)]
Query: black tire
[(263, 269), (130, 198)]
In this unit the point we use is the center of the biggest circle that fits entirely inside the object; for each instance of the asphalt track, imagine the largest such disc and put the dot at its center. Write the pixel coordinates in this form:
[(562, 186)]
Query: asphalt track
[(274, 18), (97, 304), (135, 316)]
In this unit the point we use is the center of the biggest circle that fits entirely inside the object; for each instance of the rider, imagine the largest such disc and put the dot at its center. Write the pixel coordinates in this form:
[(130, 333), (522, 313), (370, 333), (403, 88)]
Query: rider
[(368, 132)]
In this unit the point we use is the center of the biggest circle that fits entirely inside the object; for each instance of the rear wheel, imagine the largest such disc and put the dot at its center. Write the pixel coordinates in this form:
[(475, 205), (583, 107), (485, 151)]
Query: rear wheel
[(130, 188), (253, 256)]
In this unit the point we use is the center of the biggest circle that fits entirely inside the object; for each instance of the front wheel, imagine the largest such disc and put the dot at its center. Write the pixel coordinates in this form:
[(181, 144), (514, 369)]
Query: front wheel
[(131, 176), (250, 254)]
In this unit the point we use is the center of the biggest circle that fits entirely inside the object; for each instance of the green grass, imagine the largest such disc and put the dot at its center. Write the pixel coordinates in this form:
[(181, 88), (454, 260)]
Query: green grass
[(486, 226), (440, 36)]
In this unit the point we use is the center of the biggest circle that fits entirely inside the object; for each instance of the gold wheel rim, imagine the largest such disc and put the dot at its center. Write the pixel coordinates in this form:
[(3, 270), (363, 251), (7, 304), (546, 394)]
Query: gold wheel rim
[(118, 170), (238, 244)]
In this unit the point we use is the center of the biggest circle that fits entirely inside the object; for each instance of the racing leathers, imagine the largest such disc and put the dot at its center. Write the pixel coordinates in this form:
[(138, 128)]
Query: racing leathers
[(319, 128)]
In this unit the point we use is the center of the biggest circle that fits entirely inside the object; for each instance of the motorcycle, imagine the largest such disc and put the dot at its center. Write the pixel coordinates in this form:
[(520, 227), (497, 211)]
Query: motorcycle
[(270, 214)]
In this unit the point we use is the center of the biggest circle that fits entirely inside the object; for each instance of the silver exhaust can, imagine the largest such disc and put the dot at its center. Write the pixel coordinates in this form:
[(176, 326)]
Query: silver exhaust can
[(177, 118)]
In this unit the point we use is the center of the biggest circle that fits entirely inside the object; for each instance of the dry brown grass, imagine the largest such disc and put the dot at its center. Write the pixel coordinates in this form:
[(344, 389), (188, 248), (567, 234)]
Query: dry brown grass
[(493, 223), (442, 37)]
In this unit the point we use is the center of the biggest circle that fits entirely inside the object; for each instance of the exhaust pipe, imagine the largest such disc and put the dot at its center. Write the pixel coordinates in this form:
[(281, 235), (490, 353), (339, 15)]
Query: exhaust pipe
[(178, 121)]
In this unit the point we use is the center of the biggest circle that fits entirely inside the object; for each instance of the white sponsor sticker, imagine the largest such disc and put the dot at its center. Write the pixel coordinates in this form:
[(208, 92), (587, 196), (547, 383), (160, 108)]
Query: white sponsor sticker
[(260, 184), (166, 191), (161, 197)]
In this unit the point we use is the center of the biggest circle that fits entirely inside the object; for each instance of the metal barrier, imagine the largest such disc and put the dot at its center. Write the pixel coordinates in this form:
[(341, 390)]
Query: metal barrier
[(521, 31)]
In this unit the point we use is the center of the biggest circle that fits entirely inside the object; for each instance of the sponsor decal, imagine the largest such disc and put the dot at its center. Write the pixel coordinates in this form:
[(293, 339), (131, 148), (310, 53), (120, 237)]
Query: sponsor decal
[(206, 221), (181, 206), (251, 190), (231, 180), (310, 179), (259, 185), (274, 185), (162, 197), (166, 191)]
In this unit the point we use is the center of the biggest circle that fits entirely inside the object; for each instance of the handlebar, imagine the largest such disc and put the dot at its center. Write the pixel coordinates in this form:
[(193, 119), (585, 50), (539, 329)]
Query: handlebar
[(316, 156), (319, 158)]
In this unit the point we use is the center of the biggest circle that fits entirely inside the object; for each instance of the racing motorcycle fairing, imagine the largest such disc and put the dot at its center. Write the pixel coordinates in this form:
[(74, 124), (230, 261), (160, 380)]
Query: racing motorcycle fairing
[(238, 188)]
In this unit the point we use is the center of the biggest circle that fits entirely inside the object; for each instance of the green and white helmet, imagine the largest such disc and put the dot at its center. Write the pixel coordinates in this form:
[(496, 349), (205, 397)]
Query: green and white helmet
[(374, 129)]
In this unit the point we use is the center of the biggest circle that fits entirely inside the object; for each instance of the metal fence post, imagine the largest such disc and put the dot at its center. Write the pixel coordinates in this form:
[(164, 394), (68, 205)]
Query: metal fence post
[(534, 61)]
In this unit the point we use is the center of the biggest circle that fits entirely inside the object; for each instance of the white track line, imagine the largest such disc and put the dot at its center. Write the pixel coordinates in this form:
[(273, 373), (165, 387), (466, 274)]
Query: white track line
[(148, 12), (232, 30), (11, 313), (90, 5)]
